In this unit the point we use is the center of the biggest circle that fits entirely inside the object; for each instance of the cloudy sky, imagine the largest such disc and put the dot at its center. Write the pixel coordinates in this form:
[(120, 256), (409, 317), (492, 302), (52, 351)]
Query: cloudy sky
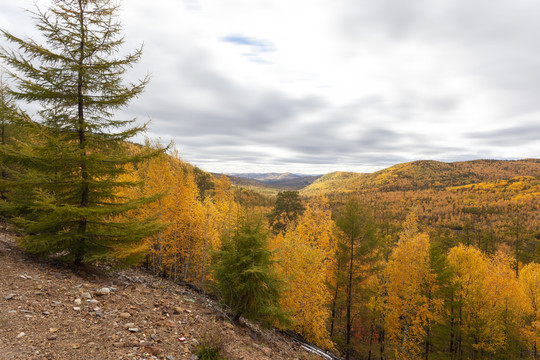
[(313, 86)]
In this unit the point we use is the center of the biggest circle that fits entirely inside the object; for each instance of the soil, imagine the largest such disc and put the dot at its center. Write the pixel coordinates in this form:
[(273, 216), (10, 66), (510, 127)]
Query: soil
[(51, 311)]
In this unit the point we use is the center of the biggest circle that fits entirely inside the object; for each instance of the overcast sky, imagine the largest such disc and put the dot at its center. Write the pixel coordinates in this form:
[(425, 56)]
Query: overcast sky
[(313, 86)]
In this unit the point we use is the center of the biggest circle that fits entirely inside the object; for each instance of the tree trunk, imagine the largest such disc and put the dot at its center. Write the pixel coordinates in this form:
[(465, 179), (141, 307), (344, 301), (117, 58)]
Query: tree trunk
[(79, 252), (370, 340), (333, 319), (349, 303)]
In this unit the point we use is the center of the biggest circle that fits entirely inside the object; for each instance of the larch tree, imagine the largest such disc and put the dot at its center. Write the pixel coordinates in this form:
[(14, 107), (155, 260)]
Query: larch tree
[(73, 162), (410, 308), (305, 256), (529, 282), (358, 248), (244, 275), (479, 291)]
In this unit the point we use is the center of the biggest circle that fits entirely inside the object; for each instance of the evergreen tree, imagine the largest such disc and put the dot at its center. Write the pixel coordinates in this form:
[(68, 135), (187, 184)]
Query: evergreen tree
[(66, 199), (244, 275), (288, 208)]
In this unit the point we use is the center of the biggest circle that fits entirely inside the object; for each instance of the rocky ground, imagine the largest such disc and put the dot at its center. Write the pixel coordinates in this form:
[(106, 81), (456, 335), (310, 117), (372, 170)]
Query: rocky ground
[(49, 311)]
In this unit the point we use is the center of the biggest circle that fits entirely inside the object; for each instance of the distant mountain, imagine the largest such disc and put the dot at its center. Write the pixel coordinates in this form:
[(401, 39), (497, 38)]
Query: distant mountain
[(424, 174), (285, 181), (264, 177)]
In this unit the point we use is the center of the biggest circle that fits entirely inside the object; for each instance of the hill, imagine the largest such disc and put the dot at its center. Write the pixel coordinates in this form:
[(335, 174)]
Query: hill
[(419, 175), (282, 181), (52, 312), (485, 203)]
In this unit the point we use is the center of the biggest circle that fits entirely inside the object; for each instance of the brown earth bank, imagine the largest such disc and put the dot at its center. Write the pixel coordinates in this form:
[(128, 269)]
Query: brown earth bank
[(49, 311)]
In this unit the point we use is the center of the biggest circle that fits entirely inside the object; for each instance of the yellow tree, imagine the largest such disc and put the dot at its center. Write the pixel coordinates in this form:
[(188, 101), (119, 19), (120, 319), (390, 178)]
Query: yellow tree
[(479, 326), (529, 281), (154, 176), (410, 308), (186, 225), (505, 302), (305, 255), (220, 218)]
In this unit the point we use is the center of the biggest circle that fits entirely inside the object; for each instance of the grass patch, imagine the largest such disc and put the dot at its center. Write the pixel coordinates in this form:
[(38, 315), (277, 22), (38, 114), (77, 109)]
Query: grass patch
[(210, 347)]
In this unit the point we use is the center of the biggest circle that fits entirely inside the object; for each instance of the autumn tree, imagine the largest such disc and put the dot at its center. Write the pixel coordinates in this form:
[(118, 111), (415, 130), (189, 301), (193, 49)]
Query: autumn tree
[(529, 282), (411, 308), (244, 275), (485, 299), (358, 248), (305, 260), (78, 150)]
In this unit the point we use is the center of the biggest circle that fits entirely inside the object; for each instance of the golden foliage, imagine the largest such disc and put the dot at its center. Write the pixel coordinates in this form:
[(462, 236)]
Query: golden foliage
[(305, 256), (410, 307)]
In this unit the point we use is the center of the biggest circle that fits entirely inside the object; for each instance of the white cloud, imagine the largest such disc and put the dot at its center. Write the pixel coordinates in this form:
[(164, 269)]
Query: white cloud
[(346, 84)]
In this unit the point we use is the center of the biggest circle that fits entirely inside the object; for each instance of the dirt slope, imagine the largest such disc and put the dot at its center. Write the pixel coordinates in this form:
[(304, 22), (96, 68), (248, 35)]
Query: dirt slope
[(51, 312)]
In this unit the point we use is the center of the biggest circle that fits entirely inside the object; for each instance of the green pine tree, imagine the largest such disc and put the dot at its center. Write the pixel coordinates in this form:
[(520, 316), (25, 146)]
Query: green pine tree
[(64, 193), (244, 275), (287, 209)]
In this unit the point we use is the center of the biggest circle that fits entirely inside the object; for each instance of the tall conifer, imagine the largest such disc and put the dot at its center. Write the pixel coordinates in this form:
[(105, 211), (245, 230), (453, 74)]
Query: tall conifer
[(66, 198)]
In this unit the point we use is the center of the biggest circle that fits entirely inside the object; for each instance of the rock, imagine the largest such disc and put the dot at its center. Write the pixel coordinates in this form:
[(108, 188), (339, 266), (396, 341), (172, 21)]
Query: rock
[(129, 325), (78, 302), (86, 295), (10, 296), (125, 315), (53, 330), (103, 291), (46, 313), (152, 350), (169, 357), (267, 352), (92, 301), (170, 323), (194, 357), (21, 335), (133, 329), (52, 337), (77, 308), (177, 310)]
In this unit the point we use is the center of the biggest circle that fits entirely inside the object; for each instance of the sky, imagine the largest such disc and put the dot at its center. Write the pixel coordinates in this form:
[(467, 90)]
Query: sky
[(312, 86)]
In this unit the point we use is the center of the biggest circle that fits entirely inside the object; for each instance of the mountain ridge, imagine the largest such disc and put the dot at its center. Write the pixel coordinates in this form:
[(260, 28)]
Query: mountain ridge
[(424, 174)]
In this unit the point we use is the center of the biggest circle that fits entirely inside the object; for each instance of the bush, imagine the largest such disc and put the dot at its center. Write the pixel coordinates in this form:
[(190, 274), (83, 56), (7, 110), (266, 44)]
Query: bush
[(210, 347)]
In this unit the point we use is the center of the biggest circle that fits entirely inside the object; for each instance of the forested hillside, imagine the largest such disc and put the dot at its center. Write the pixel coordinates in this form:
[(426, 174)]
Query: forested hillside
[(481, 202), (424, 174)]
